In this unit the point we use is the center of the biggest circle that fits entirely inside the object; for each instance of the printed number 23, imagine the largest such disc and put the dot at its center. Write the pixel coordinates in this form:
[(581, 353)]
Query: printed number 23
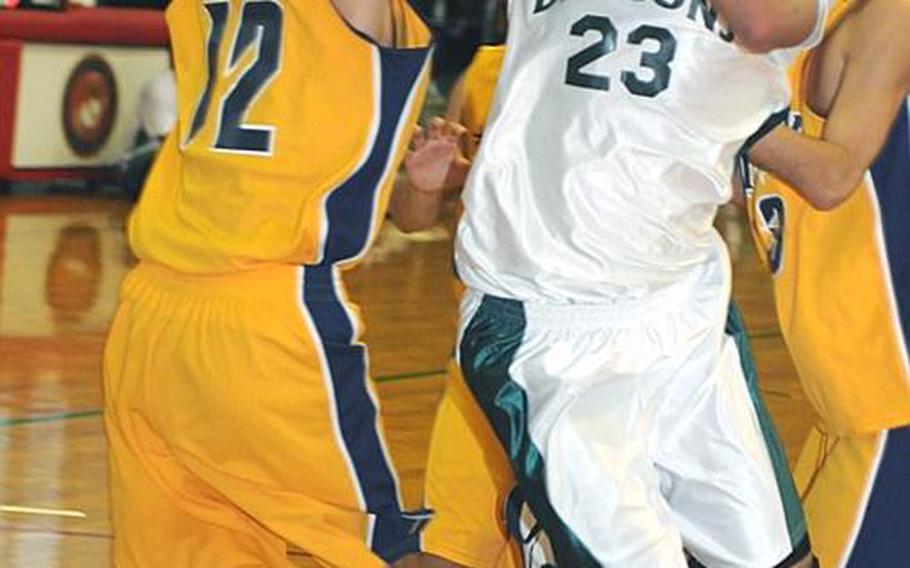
[(658, 62), (261, 22)]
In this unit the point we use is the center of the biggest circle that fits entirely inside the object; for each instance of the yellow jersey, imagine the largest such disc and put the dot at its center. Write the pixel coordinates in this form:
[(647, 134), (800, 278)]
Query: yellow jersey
[(480, 80), (291, 127), (842, 278)]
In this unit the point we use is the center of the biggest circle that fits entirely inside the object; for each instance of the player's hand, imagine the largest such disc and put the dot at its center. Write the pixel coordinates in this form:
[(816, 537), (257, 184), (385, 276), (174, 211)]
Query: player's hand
[(435, 163)]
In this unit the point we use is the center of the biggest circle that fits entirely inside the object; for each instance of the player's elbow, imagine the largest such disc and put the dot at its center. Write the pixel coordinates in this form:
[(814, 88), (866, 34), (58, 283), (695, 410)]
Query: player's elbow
[(827, 200), (835, 187)]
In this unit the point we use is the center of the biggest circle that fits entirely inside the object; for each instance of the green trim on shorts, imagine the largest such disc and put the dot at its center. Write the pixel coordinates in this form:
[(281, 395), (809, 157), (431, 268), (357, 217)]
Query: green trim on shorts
[(486, 352), (796, 521)]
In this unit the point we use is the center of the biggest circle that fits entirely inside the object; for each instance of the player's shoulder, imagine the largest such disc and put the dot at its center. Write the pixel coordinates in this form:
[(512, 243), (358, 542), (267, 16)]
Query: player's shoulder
[(488, 54), (877, 18), (878, 30), (487, 62)]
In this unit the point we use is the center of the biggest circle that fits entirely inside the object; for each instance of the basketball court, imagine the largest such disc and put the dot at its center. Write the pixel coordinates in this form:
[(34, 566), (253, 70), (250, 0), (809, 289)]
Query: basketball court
[(62, 257), (63, 253)]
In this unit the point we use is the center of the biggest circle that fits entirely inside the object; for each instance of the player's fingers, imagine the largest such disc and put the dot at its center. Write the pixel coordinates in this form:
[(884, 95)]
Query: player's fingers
[(435, 128), (418, 138), (445, 131), (457, 131)]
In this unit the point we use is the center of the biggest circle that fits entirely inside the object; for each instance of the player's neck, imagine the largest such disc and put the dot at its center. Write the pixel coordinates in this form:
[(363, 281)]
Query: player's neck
[(371, 17)]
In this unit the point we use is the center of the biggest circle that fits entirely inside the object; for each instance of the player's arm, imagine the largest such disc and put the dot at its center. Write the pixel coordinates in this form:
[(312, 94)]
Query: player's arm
[(371, 17), (763, 25), (435, 170), (411, 208), (873, 85), (825, 173)]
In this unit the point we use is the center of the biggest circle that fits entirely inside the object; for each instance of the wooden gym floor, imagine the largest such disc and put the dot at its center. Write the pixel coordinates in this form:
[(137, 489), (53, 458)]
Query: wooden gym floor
[(61, 260)]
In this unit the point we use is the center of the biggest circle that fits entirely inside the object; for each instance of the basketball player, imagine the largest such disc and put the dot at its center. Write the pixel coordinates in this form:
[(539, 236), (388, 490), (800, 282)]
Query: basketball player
[(238, 405), (837, 240), (595, 333)]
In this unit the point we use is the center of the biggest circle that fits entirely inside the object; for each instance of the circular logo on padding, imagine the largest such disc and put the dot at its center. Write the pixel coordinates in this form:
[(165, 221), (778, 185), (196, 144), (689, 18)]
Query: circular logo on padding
[(89, 106)]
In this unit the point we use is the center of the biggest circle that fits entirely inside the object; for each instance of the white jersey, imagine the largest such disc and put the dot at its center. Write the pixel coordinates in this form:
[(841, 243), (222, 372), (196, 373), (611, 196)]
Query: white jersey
[(611, 143)]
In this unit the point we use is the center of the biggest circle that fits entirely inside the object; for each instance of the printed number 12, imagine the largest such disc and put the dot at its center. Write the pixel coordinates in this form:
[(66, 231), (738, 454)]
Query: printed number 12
[(261, 23)]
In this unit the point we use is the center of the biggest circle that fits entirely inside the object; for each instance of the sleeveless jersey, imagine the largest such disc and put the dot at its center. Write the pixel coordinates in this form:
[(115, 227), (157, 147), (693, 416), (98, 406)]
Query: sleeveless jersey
[(479, 84), (611, 142), (842, 279), (291, 127)]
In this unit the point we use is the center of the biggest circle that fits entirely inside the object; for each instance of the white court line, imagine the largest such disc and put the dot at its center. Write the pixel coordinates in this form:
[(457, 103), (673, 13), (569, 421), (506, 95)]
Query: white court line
[(47, 512)]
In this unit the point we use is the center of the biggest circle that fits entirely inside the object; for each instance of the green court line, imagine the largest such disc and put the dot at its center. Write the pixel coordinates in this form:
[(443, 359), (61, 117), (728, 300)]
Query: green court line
[(415, 375), (76, 415), (57, 417)]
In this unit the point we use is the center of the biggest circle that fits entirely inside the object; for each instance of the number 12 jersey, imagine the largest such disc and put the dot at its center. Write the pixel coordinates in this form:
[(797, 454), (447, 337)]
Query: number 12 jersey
[(291, 126)]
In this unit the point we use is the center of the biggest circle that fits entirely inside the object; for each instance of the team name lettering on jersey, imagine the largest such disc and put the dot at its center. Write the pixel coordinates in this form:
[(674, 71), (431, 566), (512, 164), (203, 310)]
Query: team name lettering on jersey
[(696, 9)]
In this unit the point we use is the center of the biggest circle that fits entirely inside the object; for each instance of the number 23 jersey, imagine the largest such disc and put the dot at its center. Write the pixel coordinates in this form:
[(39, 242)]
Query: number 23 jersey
[(291, 127), (612, 140)]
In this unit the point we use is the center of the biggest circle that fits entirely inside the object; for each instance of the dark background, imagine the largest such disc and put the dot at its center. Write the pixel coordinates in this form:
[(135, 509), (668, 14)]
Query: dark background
[(460, 26)]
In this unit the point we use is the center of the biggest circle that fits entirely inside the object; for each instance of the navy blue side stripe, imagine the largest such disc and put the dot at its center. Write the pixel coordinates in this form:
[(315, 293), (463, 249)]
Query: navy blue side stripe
[(884, 538), (349, 216), (350, 207), (891, 174), (356, 413)]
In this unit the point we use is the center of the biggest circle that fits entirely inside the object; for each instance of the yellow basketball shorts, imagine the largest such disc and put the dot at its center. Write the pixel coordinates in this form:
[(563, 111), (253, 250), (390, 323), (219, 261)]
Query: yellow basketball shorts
[(240, 417), (467, 482), (854, 492)]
